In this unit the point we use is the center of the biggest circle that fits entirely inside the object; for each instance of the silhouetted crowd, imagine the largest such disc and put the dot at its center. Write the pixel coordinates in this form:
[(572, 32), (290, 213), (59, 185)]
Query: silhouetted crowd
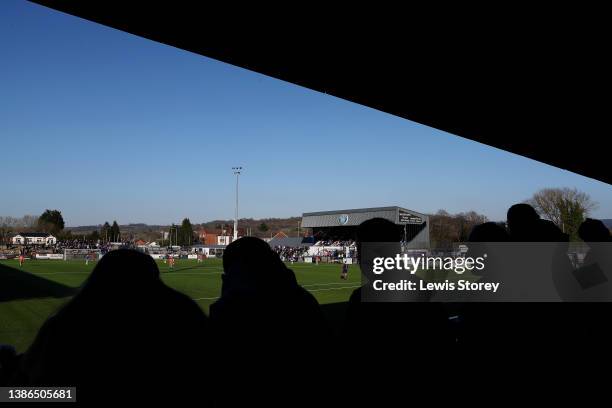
[(130, 337)]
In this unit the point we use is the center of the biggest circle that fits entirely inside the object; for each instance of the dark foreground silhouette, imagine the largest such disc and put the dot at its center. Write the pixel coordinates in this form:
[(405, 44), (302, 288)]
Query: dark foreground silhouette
[(261, 299), (527, 332), (417, 328), (272, 333), (124, 335), (596, 234)]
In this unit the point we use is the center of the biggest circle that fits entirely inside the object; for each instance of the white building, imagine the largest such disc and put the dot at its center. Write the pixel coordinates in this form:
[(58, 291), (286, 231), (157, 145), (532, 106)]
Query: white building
[(224, 239), (34, 238)]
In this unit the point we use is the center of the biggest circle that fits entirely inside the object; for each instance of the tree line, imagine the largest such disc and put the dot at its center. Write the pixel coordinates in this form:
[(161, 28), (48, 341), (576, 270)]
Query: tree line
[(566, 207), (446, 229), (182, 235)]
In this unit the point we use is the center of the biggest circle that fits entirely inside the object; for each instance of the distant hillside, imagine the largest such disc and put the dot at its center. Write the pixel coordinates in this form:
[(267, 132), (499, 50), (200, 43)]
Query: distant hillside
[(136, 231), (86, 229), (251, 226), (287, 225), (151, 232)]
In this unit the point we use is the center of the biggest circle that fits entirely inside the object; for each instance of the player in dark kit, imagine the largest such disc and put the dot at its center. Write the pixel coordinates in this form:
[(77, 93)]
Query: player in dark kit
[(344, 274)]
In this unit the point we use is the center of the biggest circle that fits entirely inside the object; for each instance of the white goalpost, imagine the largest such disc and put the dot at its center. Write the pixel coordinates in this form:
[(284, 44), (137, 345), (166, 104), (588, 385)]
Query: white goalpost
[(81, 254)]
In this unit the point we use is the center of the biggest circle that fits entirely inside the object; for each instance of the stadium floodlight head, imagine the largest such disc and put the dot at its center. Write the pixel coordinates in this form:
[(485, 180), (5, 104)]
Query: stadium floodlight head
[(237, 171)]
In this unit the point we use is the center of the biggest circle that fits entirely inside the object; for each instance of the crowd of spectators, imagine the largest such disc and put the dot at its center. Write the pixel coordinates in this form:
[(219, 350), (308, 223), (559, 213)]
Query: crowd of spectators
[(60, 246), (291, 254), (75, 243), (330, 250), (334, 243), (322, 249)]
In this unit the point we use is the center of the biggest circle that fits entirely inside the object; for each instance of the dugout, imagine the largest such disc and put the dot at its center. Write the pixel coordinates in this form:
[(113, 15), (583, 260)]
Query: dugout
[(342, 224)]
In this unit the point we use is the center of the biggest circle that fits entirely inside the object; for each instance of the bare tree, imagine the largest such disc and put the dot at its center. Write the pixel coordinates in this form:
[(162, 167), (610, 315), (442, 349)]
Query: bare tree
[(566, 207), (9, 226), (27, 221), (446, 229)]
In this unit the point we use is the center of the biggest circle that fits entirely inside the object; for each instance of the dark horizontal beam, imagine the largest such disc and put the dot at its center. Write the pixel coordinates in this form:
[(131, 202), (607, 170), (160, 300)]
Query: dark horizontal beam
[(534, 91)]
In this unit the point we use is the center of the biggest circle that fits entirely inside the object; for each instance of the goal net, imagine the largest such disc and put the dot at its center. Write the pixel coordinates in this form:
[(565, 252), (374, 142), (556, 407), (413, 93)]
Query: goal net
[(69, 254)]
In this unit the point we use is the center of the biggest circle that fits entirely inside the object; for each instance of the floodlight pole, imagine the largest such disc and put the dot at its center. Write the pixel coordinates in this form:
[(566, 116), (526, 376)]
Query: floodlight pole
[(237, 171)]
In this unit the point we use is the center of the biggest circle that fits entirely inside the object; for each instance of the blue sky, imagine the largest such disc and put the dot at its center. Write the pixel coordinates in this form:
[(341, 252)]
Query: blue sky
[(105, 125)]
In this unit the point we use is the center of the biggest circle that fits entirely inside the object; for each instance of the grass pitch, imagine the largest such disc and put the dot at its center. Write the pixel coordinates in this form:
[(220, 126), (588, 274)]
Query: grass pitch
[(28, 295)]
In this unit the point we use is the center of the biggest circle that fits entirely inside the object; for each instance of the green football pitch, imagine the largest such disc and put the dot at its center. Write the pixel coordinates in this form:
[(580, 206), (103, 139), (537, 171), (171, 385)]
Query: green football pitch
[(29, 294)]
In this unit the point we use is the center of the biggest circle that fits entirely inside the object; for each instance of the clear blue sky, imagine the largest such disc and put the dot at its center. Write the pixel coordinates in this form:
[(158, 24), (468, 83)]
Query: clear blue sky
[(105, 125)]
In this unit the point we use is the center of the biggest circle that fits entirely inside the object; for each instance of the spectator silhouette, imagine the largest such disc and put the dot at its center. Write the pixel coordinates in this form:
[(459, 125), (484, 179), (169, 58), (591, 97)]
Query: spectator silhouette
[(8, 363), (593, 231), (597, 237), (547, 261), (487, 325), (533, 330), (489, 232), (596, 269), (264, 318), (124, 335), (522, 219), (419, 329), (260, 295), (485, 240)]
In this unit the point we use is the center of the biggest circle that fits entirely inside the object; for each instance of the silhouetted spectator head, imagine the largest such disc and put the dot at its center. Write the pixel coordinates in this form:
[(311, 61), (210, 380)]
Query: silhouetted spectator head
[(123, 272), (366, 321), (261, 304), (488, 232), (264, 321), (250, 264), (593, 231), (521, 220), (376, 237), (378, 230), (480, 236)]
